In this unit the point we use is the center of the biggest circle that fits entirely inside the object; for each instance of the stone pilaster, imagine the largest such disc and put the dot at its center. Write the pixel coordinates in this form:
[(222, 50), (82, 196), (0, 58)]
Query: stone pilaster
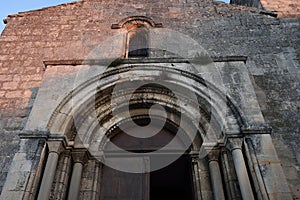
[(23, 169), (268, 167)]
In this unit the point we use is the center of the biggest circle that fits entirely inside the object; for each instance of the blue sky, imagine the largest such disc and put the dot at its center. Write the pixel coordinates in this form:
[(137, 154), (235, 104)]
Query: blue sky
[(14, 6)]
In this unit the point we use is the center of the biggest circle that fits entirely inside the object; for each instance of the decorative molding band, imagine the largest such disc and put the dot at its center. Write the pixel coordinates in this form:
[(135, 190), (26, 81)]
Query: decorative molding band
[(256, 129), (47, 136), (38, 134), (119, 61)]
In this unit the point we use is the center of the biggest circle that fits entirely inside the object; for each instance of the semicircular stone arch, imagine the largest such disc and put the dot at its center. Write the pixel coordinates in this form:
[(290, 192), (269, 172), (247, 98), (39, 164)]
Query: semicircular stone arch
[(89, 102), (88, 98)]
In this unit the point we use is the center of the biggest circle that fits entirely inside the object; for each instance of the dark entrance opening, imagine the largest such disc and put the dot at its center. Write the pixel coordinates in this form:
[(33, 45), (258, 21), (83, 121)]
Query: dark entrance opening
[(173, 181)]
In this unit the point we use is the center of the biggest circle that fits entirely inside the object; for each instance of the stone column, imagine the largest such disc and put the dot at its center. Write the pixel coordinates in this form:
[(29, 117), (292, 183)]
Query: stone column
[(55, 148), (215, 174), (196, 177), (79, 158), (235, 146)]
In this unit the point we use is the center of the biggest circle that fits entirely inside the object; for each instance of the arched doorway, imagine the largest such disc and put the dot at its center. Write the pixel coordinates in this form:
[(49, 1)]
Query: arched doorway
[(173, 181)]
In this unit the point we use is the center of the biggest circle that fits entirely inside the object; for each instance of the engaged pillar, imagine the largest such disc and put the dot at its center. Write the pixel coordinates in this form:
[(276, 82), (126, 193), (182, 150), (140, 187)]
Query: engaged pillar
[(55, 148), (235, 146), (215, 174), (79, 158)]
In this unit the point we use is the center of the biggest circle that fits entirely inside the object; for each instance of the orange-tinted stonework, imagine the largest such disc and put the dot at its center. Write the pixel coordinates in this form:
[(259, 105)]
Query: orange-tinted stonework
[(61, 37)]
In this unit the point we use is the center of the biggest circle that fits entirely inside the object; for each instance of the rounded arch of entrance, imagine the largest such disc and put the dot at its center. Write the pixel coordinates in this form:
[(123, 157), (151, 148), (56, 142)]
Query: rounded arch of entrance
[(96, 108)]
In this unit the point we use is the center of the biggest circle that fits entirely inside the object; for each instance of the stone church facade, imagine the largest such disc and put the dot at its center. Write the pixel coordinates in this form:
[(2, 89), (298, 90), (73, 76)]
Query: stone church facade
[(149, 100)]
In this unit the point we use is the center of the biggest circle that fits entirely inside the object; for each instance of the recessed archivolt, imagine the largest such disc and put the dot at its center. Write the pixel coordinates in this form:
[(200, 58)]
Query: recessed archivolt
[(106, 122), (98, 136), (89, 106), (139, 104)]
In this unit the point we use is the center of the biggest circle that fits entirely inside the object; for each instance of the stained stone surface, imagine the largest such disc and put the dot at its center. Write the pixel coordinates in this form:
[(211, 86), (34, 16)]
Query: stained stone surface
[(70, 31)]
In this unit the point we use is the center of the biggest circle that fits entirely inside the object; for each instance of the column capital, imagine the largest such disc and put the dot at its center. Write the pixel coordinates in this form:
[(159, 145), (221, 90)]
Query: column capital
[(210, 150), (213, 155), (55, 146), (79, 155), (234, 143)]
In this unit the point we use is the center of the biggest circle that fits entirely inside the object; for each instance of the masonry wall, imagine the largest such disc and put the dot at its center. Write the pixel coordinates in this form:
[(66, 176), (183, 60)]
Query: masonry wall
[(283, 8), (72, 30), (252, 3)]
